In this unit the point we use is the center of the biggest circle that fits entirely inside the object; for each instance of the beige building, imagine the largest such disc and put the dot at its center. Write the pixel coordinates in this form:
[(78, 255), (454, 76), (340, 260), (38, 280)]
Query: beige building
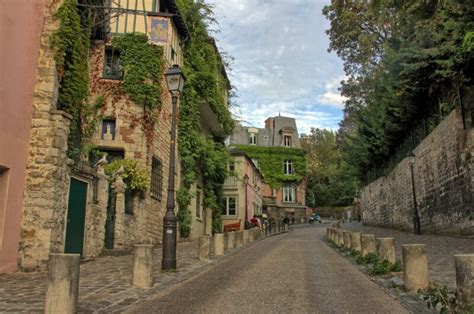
[(70, 206), (242, 192)]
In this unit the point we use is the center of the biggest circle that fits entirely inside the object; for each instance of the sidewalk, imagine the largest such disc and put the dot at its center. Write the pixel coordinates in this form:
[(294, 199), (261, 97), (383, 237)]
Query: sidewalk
[(440, 250), (105, 282)]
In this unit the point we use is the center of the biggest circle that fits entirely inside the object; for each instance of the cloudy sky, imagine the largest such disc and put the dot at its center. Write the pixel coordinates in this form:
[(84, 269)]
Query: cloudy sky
[(281, 61)]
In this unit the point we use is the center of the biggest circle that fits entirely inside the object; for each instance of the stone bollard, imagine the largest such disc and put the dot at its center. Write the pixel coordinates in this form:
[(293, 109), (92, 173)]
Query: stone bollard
[(367, 242), (62, 290), (245, 237), (219, 244), (328, 231), (355, 241), (239, 238), (231, 240), (347, 239), (251, 235), (286, 227), (204, 248), (465, 279), (386, 249), (415, 267), (142, 273), (339, 237)]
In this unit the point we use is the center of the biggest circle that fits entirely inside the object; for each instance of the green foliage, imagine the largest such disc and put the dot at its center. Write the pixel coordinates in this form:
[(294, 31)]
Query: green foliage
[(370, 258), (405, 60), (382, 267), (71, 41), (136, 178), (200, 156), (331, 180), (271, 161), (142, 68), (439, 297)]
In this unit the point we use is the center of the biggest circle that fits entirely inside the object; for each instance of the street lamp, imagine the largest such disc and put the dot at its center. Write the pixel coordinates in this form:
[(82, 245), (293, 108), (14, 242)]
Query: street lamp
[(416, 217), (175, 83)]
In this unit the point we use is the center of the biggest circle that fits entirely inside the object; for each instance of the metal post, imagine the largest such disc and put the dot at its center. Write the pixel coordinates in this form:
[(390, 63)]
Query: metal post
[(416, 217), (168, 261)]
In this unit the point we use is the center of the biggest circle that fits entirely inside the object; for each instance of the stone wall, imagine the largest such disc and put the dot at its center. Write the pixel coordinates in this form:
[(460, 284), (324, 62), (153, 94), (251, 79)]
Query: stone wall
[(46, 171), (444, 185), (146, 223)]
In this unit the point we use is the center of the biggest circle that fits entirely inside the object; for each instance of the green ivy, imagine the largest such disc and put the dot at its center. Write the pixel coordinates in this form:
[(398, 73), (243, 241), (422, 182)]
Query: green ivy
[(200, 156), (72, 40), (136, 178), (142, 65), (271, 159)]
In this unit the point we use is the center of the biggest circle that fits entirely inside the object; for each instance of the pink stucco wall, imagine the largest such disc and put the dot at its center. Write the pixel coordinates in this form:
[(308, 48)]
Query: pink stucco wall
[(20, 29)]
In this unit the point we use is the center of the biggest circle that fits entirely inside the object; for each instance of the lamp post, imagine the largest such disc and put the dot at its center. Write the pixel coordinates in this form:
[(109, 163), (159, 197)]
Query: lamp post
[(416, 217), (175, 82)]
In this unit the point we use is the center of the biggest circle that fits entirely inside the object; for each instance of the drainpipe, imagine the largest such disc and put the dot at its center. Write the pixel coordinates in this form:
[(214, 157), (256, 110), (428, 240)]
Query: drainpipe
[(416, 217), (246, 181)]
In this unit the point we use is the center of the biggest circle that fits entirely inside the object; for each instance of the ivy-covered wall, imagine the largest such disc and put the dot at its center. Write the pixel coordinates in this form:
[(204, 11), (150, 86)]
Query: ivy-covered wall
[(201, 157), (270, 162)]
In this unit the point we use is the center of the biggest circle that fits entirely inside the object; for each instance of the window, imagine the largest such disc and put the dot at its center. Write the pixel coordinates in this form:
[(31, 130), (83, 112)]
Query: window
[(159, 6), (253, 139), (289, 194), (198, 204), (288, 167), (287, 140), (231, 166), (156, 178), (108, 129), (265, 138), (112, 67), (230, 206)]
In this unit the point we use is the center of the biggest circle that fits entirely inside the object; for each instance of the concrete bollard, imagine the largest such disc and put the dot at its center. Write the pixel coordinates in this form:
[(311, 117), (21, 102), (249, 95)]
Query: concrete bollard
[(219, 244), (245, 237), (328, 231), (386, 249), (286, 227), (239, 238), (142, 271), (347, 239), (204, 248), (465, 279), (231, 240), (355, 241), (62, 290), (415, 267), (368, 245), (332, 234)]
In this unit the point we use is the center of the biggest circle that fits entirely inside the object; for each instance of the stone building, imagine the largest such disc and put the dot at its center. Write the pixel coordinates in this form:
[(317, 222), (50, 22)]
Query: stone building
[(289, 199), (70, 206), (242, 192), (17, 77)]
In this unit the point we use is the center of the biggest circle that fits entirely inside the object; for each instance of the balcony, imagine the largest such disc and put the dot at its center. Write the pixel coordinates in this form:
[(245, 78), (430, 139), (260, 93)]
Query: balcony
[(231, 182)]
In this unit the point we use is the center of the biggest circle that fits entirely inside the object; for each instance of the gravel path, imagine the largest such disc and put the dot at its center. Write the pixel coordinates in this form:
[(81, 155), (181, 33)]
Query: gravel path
[(291, 273)]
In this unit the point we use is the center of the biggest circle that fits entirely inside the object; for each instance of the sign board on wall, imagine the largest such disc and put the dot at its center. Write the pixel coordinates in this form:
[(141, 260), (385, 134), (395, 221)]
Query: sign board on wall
[(159, 30)]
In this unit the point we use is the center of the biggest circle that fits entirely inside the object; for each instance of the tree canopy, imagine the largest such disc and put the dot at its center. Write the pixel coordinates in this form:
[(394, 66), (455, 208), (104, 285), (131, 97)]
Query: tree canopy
[(407, 63)]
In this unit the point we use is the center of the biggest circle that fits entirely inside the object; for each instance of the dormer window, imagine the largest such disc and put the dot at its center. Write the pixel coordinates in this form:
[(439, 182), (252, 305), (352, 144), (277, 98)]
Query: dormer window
[(253, 139), (288, 167), (287, 140)]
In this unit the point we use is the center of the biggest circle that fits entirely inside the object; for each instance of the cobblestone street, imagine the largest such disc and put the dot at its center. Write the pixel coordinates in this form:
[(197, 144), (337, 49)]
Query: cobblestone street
[(440, 249), (105, 283)]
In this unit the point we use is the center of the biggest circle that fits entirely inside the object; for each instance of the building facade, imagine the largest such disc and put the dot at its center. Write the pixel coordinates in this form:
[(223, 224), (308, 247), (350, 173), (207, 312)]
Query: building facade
[(71, 205), (21, 24), (285, 196), (242, 192)]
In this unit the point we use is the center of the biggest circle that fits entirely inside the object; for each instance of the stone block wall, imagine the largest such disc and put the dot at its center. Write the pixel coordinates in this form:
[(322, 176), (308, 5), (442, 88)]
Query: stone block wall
[(444, 185), (44, 201), (146, 223)]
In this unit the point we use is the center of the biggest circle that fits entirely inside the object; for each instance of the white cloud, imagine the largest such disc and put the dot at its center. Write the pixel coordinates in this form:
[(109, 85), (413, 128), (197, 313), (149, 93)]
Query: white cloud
[(281, 60)]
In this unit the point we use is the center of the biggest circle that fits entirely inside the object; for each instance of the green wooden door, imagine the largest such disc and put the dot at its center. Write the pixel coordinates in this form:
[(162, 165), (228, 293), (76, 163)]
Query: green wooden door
[(76, 217)]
